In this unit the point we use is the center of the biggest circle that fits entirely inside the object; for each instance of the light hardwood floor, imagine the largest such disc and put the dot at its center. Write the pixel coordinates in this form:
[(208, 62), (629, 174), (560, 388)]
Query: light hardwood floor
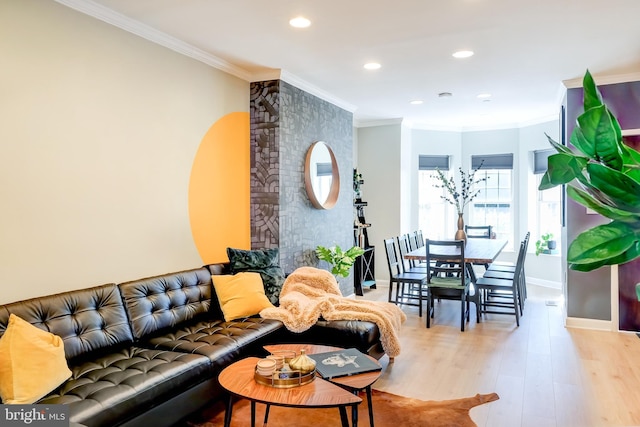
[(545, 374)]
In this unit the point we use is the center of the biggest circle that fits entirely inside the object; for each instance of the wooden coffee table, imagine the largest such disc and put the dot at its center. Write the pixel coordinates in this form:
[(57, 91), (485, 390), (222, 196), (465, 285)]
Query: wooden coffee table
[(238, 380)]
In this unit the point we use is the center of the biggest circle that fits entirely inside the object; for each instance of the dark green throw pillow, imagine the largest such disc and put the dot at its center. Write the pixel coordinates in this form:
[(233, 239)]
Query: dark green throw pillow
[(263, 261)]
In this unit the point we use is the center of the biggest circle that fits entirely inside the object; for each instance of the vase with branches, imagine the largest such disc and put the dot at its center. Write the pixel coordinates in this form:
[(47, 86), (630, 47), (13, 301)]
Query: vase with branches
[(461, 197)]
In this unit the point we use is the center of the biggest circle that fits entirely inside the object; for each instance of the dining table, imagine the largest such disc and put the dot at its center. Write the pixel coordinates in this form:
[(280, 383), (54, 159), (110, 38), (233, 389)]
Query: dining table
[(476, 251)]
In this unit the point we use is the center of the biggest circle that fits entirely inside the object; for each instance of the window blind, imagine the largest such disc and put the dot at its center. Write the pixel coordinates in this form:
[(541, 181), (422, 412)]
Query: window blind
[(540, 160), (493, 161), (429, 163)]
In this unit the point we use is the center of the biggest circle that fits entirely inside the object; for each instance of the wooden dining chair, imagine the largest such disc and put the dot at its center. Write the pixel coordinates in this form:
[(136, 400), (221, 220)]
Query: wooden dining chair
[(501, 295), (478, 232), (506, 270), (448, 277), (409, 265), (410, 287)]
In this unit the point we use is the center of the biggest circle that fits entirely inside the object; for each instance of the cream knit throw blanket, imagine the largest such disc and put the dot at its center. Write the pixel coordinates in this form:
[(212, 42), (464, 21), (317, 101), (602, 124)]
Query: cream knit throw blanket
[(310, 293)]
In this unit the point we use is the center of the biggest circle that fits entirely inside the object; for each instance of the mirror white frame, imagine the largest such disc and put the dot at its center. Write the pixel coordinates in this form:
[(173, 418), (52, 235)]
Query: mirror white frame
[(321, 176)]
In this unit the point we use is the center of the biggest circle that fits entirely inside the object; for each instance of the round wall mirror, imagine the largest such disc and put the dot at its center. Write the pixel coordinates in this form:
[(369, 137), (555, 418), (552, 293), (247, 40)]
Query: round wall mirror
[(321, 177)]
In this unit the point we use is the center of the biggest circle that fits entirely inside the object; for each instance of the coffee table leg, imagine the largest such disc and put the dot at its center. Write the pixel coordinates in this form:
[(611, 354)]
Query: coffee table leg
[(253, 413), (227, 413), (343, 416), (354, 415), (370, 406)]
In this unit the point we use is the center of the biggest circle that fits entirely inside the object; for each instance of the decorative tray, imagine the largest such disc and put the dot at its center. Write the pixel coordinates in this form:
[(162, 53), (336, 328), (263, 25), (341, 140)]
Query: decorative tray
[(294, 379)]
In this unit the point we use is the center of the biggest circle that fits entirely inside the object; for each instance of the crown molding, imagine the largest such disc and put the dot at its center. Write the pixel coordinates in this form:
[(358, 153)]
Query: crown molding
[(482, 128), (296, 81), (603, 80), (380, 122), (125, 23), (315, 90)]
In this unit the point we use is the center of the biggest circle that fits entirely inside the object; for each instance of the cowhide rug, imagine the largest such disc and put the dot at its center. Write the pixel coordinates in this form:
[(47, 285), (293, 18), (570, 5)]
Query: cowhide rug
[(389, 410)]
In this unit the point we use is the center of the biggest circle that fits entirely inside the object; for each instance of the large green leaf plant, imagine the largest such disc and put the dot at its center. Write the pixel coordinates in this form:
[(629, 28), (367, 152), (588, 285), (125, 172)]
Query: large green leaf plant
[(603, 174)]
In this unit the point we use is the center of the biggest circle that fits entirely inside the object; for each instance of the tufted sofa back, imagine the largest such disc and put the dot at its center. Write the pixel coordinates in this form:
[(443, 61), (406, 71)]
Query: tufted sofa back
[(160, 302), (86, 320)]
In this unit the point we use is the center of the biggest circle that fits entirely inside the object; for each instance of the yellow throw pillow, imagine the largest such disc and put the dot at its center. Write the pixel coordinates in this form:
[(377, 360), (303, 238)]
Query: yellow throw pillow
[(32, 362), (240, 295)]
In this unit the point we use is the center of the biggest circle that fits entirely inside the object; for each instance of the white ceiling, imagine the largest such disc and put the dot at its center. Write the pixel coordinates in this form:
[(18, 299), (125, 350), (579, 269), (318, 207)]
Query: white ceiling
[(523, 50)]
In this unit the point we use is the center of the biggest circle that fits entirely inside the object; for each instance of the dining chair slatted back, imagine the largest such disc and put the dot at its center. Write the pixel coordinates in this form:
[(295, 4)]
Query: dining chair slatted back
[(478, 231), (409, 266), (490, 289), (405, 288), (448, 277), (508, 267), (411, 237), (419, 239), (510, 275)]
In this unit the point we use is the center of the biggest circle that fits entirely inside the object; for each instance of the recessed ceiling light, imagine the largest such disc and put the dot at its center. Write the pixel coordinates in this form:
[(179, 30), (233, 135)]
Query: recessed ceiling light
[(300, 22), (463, 54), (416, 102), (484, 95), (445, 95), (372, 65)]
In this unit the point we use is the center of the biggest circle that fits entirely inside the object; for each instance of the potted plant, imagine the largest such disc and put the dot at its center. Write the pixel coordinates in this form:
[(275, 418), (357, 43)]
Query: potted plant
[(545, 244), (459, 198), (339, 260), (602, 174)]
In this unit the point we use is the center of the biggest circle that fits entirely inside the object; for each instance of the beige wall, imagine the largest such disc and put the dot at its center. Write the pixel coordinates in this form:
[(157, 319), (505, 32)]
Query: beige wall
[(98, 133)]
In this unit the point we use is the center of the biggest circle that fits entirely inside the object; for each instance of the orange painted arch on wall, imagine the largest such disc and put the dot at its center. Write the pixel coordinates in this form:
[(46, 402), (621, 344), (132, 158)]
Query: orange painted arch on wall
[(219, 189)]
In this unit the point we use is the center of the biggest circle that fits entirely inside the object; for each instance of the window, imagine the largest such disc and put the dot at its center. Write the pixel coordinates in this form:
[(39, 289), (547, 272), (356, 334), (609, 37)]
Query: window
[(436, 218), (494, 204), (548, 202)]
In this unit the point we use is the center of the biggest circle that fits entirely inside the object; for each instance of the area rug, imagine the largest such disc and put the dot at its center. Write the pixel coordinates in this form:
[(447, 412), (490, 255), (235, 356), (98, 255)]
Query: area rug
[(389, 410)]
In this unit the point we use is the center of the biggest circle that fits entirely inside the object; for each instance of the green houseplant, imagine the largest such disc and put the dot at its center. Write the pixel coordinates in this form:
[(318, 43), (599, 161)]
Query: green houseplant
[(603, 174), (545, 244), (339, 260)]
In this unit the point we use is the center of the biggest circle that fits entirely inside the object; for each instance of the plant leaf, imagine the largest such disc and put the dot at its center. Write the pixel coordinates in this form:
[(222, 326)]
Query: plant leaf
[(562, 169), (585, 146), (587, 267), (592, 96), (601, 243), (586, 199), (620, 188), (598, 129), (632, 253), (559, 147)]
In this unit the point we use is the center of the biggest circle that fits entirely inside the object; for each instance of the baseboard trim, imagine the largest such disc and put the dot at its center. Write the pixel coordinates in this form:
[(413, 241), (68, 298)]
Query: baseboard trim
[(581, 323), (544, 283)]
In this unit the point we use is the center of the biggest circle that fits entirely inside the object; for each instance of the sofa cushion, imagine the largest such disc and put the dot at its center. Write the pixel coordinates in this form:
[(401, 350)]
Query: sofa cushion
[(222, 342), (162, 302), (87, 319), (32, 362), (123, 384), (263, 261), (240, 295)]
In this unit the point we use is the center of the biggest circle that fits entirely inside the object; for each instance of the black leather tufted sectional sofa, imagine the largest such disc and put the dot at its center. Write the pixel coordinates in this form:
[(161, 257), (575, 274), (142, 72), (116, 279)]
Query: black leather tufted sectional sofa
[(148, 352)]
